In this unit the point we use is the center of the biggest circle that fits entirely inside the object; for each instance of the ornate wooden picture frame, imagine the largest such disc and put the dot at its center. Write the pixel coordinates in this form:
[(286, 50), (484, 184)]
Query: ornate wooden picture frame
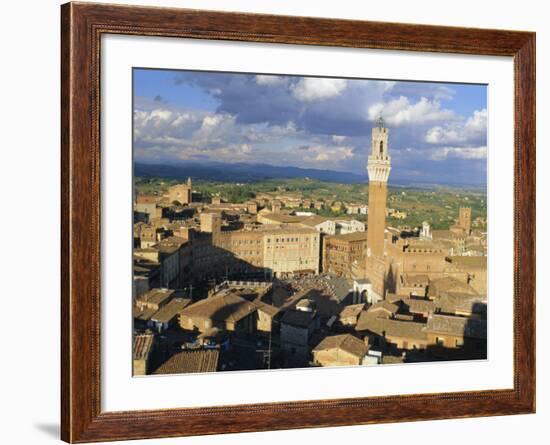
[(82, 26)]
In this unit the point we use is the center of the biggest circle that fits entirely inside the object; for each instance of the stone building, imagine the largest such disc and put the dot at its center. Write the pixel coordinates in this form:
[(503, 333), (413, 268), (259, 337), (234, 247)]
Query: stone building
[(297, 326), (350, 314), (181, 193), (149, 235), (291, 250), (226, 310), (143, 354), (167, 256), (465, 219), (453, 332), (211, 222), (146, 204), (168, 315), (356, 209), (340, 252), (267, 315), (340, 350)]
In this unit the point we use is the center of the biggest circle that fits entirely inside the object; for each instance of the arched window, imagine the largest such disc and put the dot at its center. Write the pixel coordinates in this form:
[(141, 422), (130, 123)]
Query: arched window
[(381, 147)]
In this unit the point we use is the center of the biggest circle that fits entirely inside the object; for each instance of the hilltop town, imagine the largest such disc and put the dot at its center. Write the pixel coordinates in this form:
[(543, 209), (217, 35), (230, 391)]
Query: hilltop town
[(282, 279)]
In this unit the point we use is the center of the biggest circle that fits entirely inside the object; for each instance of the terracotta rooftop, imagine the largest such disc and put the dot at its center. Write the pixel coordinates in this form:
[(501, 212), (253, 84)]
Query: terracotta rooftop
[(379, 325), (144, 314), (408, 329), (283, 218), (298, 318), (384, 306), (223, 307), (478, 262), (267, 308), (146, 199), (418, 279), (156, 296), (196, 360), (354, 236), (448, 284), (353, 310), (314, 220), (345, 342), (418, 305), (459, 326), (170, 310), (452, 302), (282, 229)]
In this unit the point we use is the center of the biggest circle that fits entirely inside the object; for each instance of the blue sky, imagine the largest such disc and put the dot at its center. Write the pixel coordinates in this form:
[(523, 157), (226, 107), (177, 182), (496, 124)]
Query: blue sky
[(438, 131)]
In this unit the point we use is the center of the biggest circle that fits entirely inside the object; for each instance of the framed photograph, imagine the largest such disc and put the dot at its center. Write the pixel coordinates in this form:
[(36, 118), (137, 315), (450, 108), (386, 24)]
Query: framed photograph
[(274, 222)]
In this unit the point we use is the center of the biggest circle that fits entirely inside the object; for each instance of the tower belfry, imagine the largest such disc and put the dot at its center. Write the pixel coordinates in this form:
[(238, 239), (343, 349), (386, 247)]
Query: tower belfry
[(378, 167)]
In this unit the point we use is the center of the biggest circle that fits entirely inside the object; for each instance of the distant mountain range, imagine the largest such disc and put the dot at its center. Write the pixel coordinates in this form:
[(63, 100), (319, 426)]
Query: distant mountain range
[(243, 172)]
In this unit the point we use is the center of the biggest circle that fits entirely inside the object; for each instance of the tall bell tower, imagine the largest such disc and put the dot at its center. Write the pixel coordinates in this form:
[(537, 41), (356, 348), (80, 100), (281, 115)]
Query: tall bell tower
[(379, 166)]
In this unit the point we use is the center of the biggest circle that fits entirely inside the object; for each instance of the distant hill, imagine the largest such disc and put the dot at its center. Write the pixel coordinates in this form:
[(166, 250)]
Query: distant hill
[(245, 173), (241, 172)]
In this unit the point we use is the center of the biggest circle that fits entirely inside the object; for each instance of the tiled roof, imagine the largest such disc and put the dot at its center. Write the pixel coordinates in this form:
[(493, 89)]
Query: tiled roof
[(144, 314), (390, 328), (222, 307), (283, 218), (267, 308), (384, 306), (470, 261), (448, 284), (175, 240), (452, 302), (146, 199), (314, 220), (345, 342), (352, 310), (420, 279), (156, 296), (459, 326), (340, 287), (417, 305), (406, 329), (196, 360), (170, 310), (354, 236), (298, 318), (276, 229)]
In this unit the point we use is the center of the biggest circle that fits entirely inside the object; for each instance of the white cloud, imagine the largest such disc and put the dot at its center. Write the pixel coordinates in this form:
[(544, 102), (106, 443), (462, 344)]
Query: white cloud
[(327, 154), (473, 130), (387, 85), (338, 139), (443, 153), (162, 133), (401, 111), (310, 89), (264, 79), (477, 122)]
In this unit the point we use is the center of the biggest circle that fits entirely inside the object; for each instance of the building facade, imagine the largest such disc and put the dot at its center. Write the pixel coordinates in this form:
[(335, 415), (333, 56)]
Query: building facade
[(181, 193), (340, 252)]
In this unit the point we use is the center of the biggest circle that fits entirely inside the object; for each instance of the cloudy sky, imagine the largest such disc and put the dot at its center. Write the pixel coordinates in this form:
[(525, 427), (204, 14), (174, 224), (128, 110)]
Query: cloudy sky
[(438, 131)]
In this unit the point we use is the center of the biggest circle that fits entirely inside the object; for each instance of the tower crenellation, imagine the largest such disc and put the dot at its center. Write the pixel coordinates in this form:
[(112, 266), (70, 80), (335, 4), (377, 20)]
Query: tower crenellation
[(379, 162)]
